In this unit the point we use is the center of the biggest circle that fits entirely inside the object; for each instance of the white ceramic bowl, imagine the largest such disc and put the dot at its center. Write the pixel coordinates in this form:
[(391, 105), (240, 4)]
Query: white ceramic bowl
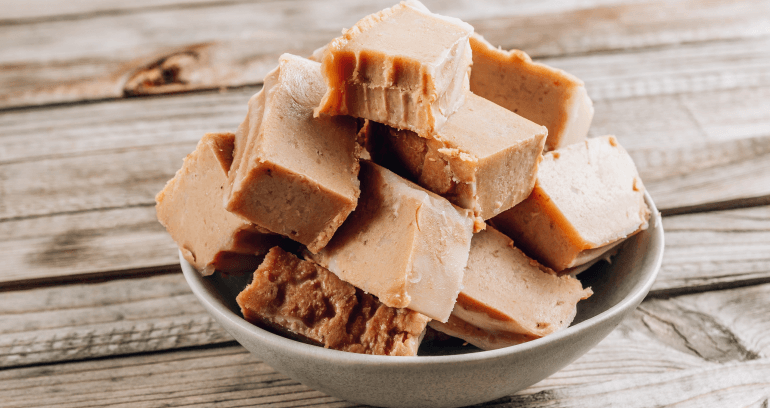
[(460, 377)]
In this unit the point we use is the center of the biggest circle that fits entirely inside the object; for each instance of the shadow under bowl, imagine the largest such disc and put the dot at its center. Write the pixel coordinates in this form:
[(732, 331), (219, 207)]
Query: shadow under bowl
[(459, 376)]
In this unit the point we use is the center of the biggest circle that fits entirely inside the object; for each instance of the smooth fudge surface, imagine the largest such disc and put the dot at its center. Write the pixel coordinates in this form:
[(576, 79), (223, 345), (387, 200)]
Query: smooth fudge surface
[(484, 158), (403, 244), (190, 207), (297, 175), (403, 66), (311, 303), (509, 298), (588, 195), (545, 95)]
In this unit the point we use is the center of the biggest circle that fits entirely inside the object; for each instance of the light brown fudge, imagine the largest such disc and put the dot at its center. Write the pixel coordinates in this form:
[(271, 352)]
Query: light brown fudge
[(542, 94), (308, 301), (190, 207), (508, 298), (296, 175), (403, 66), (484, 158), (403, 244), (588, 196)]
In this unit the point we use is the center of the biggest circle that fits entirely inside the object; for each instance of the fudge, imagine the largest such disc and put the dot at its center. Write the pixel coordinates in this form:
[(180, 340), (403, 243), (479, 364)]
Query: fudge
[(588, 196), (296, 175), (542, 94), (508, 298), (190, 207), (312, 304), (403, 244), (403, 66), (484, 158), (244, 137)]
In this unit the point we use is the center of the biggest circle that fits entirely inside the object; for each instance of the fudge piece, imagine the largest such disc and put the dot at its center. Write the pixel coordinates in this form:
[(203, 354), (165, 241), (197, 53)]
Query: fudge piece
[(403, 66), (484, 158), (296, 175), (542, 94), (246, 133), (312, 304), (508, 298), (190, 207), (403, 244), (588, 196)]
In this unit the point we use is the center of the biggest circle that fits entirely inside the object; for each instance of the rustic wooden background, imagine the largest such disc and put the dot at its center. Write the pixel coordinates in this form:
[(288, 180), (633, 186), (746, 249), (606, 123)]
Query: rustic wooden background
[(100, 101)]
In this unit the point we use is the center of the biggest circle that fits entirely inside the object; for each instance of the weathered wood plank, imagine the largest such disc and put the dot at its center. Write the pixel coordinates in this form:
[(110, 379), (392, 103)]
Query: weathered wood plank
[(19, 11), (113, 179), (709, 66), (693, 349), (112, 242), (235, 44), (737, 384), (712, 250), (82, 321), (82, 130), (735, 173)]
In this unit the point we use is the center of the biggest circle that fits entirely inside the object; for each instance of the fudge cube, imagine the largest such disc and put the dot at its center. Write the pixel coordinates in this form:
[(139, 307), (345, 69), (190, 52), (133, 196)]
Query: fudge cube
[(508, 298), (306, 301), (403, 66), (190, 207), (484, 158), (296, 174), (588, 196), (403, 244), (542, 94)]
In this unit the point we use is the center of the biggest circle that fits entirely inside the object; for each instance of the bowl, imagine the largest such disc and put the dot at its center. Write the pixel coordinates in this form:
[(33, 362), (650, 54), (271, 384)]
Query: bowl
[(462, 375)]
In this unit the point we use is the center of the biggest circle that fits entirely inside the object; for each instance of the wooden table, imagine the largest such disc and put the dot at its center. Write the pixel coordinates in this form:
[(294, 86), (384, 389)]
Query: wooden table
[(100, 101)]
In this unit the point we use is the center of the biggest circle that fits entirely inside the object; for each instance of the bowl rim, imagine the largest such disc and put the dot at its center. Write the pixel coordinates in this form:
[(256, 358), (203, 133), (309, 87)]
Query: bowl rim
[(271, 340)]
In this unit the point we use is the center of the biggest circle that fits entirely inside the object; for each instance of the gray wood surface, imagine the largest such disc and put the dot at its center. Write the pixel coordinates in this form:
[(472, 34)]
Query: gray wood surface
[(125, 316), (670, 351), (235, 43), (94, 312)]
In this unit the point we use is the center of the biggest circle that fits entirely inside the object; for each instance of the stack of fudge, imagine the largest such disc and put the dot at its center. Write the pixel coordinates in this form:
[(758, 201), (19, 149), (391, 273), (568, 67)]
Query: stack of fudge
[(407, 175)]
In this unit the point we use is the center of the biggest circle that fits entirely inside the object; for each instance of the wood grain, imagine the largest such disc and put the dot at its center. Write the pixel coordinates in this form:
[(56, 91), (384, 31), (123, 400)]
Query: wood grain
[(71, 246), (674, 346), (737, 384), (20, 12), (714, 250), (113, 179), (84, 321), (89, 129), (164, 50)]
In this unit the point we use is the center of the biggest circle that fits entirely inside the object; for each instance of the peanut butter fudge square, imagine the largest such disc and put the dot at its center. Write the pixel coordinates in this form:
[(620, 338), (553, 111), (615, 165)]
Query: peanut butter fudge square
[(542, 94), (508, 298), (403, 66), (403, 244), (587, 198), (313, 304), (296, 174), (484, 158), (190, 207)]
